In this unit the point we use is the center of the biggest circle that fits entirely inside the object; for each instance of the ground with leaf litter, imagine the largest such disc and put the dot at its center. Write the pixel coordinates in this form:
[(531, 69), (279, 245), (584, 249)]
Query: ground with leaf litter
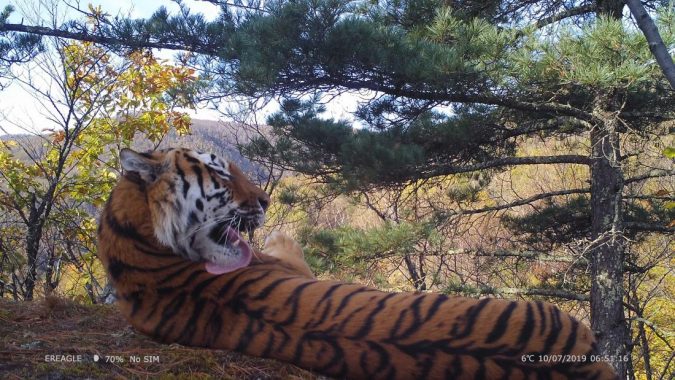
[(39, 340)]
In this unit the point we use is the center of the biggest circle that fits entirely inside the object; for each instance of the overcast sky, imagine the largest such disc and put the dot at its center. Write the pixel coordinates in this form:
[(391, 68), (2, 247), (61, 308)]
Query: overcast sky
[(20, 112)]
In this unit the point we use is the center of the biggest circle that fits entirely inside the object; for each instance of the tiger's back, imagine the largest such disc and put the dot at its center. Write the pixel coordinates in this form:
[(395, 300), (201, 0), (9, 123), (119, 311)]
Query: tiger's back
[(271, 309)]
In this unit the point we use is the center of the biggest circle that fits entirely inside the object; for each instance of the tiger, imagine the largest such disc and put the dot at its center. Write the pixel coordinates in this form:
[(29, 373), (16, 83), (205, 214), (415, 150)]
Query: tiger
[(171, 240)]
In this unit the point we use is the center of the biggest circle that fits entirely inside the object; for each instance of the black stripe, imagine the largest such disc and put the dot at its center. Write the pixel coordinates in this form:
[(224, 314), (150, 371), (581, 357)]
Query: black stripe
[(440, 299), (501, 324), (191, 159), (383, 360), (162, 294), (397, 325), (171, 276), (164, 254), (171, 309), (554, 331), (368, 323), (213, 328), (292, 302), (329, 303), (542, 317), (455, 369), (416, 322), (136, 299), (226, 287), (348, 297), (200, 180), (125, 229), (528, 327), (469, 319), (269, 345), (253, 328), (214, 180), (572, 338), (188, 333), (480, 374), (199, 288), (269, 288), (219, 194), (286, 338), (347, 319), (425, 363), (116, 267), (329, 341), (186, 184)]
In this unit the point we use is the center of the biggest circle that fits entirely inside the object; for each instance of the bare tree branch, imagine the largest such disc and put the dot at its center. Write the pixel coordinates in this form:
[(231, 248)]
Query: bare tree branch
[(576, 11), (649, 227)]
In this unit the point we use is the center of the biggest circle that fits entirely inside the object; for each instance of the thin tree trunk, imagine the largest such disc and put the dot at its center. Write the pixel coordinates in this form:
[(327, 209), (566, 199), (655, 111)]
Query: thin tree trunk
[(32, 248), (656, 45), (414, 277), (646, 354), (607, 247)]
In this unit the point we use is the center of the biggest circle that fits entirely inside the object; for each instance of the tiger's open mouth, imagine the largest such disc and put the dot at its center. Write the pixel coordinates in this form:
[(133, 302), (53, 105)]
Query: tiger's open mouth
[(224, 234)]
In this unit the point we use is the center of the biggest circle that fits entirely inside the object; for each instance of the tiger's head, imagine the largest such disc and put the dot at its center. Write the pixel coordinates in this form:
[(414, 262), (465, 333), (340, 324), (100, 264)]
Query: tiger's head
[(199, 204)]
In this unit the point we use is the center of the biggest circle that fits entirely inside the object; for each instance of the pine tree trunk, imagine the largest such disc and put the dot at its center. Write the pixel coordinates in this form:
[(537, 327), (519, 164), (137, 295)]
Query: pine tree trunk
[(607, 247)]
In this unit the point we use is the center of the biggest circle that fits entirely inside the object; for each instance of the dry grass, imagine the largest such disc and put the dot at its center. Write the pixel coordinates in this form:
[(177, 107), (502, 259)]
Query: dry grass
[(29, 331)]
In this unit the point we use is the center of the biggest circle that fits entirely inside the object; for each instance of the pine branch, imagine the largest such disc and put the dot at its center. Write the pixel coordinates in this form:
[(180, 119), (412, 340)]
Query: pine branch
[(509, 291), (235, 5), (299, 83), (507, 161), (656, 45), (655, 173), (531, 255), (104, 40), (522, 201)]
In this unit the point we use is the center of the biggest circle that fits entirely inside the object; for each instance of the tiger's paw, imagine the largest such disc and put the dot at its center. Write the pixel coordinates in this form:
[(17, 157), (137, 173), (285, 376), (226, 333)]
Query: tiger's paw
[(280, 245), (284, 248)]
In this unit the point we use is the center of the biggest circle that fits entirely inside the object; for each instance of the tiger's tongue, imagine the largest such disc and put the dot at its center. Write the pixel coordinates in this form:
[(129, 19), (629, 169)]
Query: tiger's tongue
[(233, 238)]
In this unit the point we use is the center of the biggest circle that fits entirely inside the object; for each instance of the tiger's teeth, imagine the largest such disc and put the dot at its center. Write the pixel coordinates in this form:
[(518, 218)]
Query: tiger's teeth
[(236, 242)]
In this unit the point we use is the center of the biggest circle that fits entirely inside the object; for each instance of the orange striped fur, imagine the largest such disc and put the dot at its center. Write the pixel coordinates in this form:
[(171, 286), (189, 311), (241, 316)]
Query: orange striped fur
[(275, 308)]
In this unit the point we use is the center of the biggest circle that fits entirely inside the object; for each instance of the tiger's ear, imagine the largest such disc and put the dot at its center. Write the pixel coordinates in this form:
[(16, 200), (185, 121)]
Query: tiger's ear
[(147, 168)]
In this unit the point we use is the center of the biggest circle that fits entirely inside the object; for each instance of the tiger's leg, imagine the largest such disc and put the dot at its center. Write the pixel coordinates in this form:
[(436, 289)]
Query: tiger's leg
[(284, 248)]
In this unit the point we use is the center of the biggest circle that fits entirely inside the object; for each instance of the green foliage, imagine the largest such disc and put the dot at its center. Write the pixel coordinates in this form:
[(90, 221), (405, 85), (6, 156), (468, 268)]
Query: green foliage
[(669, 152), (363, 158), (110, 102), (354, 249)]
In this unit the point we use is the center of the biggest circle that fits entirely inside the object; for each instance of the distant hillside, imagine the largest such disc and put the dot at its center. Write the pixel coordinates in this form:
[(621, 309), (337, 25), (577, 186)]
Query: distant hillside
[(211, 136), (206, 135)]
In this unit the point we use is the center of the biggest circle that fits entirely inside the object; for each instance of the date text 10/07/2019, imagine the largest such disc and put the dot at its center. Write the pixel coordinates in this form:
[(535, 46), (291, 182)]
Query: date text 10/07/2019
[(539, 358)]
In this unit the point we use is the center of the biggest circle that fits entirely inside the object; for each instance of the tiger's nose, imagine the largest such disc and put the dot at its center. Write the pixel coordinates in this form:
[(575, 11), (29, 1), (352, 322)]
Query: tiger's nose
[(264, 202)]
